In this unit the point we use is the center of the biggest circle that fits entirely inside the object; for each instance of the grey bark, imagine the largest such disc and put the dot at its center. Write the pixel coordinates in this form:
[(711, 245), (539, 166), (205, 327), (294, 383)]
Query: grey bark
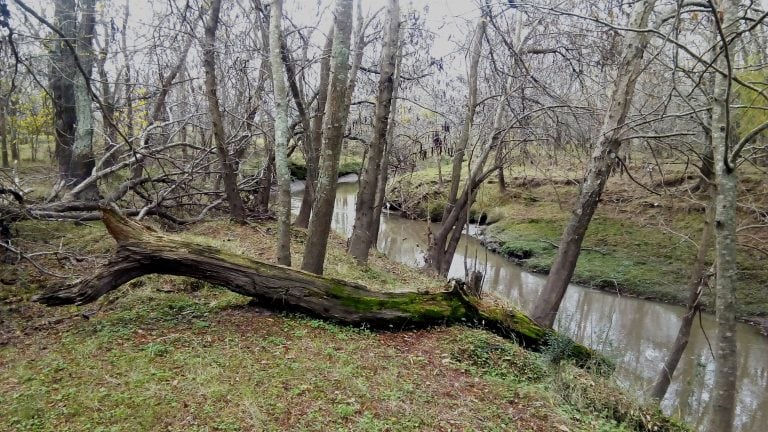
[(698, 282), (281, 135), (108, 101), (442, 245), (302, 219), (4, 132), (82, 162), (724, 387), (128, 86), (381, 187), (236, 208), (337, 110), (268, 171), (362, 234), (463, 141), (600, 165), (62, 78)]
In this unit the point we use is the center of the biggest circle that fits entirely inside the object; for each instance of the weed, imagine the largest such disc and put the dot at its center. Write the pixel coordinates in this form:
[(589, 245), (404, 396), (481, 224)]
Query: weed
[(486, 354)]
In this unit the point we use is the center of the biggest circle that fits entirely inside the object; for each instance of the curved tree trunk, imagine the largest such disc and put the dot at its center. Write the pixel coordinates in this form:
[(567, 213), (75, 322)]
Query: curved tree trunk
[(337, 110), (142, 251), (697, 283), (724, 137), (313, 158), (236, 208), (461, 145), (82, 162), (442, 245), (600, 165), (381, 187), (281, 134), (362, 237)]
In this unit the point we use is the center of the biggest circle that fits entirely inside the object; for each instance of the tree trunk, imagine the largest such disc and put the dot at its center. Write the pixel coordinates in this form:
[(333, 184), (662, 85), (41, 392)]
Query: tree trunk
[(362, 235), (4, 133), (698, 282), (337, 111), (62, 78), (229, 176), (308, 148), (500, 173), (310, 184), (82, 162), (724, 387), (108, 101), (281, 135), (442, 245), (265, 181), (707, 171), (461, 145), (12, 114), (128, 87), (381, 187), (142, 251), (603, 159)]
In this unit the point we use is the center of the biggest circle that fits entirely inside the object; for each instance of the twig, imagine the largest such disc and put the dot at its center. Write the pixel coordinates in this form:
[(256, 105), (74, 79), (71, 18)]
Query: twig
[(37, 266)]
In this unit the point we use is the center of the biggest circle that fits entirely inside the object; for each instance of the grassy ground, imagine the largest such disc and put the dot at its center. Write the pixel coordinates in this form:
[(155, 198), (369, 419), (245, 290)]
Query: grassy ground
[(638, 243), (167, 353)]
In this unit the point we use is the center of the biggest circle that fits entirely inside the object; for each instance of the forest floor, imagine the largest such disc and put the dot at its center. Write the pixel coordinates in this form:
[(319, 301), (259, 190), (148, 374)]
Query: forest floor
[(639, 243), (165, 353)]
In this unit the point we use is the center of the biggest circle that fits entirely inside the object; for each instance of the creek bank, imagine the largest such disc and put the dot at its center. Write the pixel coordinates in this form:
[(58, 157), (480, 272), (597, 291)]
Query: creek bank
[(525, 258), (349, 166), (634, 248)]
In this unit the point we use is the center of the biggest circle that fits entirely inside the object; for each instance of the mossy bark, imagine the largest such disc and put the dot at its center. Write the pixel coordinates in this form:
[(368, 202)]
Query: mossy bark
[(142, 251)]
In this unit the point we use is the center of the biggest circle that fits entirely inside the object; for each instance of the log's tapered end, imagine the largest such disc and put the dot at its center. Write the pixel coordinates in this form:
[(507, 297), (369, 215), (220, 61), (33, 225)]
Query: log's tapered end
[(121, 228)]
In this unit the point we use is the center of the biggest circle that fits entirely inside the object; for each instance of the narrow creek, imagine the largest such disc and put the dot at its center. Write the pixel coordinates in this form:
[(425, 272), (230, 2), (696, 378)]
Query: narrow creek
[(635, 333)]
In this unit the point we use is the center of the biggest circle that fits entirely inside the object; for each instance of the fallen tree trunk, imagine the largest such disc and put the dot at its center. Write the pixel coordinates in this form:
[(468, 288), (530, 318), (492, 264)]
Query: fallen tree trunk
[(142, 251)]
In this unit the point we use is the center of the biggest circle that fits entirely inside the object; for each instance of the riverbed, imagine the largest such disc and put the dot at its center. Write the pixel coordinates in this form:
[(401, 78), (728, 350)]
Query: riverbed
[(635, 333)]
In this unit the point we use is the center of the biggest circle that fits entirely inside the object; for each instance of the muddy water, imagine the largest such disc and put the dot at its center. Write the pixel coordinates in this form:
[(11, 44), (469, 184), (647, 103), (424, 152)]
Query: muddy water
[(636, 333)]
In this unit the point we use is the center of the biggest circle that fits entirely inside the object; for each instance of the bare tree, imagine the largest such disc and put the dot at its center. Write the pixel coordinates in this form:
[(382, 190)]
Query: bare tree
[(381, 187), (281, 135), (460, 147), (363, 236), (4, 130), (229, 176), (725, 156), (313, 155), (336, 111), (600, 165), (62, 87)]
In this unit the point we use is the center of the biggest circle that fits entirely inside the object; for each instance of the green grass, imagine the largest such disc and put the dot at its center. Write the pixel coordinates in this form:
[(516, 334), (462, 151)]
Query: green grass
[(207, 361), (166, 353)]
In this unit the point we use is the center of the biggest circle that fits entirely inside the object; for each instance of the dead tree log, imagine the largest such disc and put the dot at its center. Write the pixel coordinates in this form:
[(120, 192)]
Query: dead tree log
[(142, 251)]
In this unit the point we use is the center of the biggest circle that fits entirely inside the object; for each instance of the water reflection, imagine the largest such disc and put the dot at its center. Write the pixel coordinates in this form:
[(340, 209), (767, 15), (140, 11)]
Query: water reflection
[(636, 333)]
